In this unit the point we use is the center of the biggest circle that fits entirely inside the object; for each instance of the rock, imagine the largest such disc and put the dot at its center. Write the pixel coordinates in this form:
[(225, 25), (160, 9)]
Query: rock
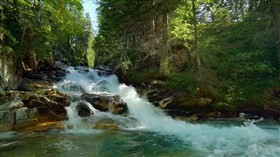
[(69, 86), (6, 120), (106, 123), (166, 101), (106, 126), (83, 110), (203, 101), (18, 118), (213, 114), (81, 69), (224, 107), (188, 119), (60, 65), (106, 102), (25, 124), (22, 114), (242, 115), (56, 96), (8, 114), (10, 72), (51, 103), (104, 70), (46, 126), (26, 113), (10, 105)]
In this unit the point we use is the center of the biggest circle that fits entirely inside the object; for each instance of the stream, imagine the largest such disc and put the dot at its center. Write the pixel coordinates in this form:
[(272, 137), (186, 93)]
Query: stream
[(145, 131)]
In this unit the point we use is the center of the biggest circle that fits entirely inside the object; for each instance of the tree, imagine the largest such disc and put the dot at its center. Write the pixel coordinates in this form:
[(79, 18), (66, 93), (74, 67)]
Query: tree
[(36, 32)]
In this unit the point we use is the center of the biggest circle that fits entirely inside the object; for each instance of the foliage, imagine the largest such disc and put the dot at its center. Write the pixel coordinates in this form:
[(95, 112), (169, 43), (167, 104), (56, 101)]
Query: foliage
[(230, 45), (43, 30), (182, 81), (139, 77)]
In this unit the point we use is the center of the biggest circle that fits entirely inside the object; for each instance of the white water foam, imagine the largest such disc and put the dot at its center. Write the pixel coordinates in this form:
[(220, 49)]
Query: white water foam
[(246, 140)]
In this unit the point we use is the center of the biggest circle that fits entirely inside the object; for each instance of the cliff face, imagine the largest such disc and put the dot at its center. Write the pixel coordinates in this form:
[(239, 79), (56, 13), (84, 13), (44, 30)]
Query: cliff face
[(10, 72)]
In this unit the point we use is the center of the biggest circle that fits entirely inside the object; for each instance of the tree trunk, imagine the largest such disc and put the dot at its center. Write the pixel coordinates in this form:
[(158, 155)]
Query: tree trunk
[(164, 56), (198, 60)]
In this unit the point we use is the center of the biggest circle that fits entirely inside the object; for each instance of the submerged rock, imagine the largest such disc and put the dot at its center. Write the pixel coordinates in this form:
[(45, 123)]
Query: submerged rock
[(46, 126), (106, 123), (106, 102)]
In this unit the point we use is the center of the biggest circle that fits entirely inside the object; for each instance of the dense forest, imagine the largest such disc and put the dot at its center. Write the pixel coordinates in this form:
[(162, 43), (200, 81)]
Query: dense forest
[(220, 52), (227, 51)]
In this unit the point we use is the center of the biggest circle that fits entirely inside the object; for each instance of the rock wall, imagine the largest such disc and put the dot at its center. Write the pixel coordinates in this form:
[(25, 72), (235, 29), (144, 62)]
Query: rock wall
[(10, 72)]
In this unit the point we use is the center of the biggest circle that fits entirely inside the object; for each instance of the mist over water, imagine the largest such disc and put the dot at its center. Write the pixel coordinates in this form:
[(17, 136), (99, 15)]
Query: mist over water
[(244, 140)]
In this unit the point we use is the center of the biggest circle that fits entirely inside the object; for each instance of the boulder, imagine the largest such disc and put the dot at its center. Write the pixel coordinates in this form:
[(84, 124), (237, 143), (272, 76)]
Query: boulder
[(50, 103), (10, 105), (166, 101), (56, 96), (83, 110), (106, 102), (6, 120), (14, 116), (106, 123)]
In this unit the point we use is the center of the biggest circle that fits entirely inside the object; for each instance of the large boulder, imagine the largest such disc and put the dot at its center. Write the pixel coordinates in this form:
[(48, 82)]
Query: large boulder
[(49, 103), (14, 116), (106, 102)]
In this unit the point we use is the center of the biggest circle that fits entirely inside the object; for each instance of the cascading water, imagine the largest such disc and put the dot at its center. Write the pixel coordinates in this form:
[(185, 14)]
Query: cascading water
[(245, 140)]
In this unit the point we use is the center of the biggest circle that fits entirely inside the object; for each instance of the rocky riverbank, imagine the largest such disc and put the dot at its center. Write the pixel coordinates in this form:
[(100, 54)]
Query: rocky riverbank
[(34, 102), (200, 104)]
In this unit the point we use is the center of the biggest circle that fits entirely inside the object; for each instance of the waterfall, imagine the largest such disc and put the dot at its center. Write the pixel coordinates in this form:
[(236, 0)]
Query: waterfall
[(221, 141)]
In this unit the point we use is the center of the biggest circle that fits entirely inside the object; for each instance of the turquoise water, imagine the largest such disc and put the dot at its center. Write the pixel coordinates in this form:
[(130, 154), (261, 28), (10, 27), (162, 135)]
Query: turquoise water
[(96, 143), (134, 143)]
